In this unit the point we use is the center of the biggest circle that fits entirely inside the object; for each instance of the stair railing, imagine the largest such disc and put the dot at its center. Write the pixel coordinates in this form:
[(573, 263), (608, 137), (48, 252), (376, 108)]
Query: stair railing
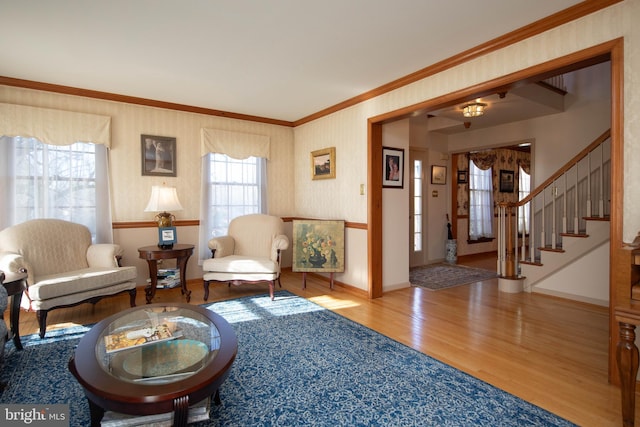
[(562, 202)]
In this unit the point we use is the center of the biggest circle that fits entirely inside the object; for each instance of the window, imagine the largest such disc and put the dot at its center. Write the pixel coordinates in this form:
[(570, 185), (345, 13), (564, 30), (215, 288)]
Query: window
[(68, 182), (417, 205), (524, 188), (231, 188), (480, 203)]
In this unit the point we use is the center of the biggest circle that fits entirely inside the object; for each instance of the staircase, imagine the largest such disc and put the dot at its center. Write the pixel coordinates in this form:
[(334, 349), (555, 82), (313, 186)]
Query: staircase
[(563, 249)]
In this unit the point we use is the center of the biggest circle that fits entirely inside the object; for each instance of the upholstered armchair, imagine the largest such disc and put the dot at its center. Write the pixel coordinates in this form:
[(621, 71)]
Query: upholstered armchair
[(64, 268), (249, 253)]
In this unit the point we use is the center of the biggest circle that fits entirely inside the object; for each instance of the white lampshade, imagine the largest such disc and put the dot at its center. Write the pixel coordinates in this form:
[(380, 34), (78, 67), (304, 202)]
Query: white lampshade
[(163, 199)]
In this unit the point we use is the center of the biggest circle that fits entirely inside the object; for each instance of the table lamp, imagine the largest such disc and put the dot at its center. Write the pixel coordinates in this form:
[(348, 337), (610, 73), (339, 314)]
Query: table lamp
[(164, 199)]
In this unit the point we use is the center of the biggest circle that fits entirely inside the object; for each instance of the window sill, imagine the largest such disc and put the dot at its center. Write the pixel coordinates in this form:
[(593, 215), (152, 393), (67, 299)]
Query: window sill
[(481, 240)]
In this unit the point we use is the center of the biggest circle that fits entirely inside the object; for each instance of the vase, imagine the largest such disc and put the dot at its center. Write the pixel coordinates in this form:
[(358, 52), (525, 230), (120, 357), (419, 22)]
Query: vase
[(317, 261)]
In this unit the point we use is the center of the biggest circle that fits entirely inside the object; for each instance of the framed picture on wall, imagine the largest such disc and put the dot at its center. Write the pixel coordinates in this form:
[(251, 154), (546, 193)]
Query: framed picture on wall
[(506, 181), (158, 155), (462, 177), (438, 174), (323, 163), (392, 167)]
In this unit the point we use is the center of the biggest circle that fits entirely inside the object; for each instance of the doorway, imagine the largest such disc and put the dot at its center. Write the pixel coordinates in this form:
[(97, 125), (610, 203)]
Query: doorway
[(608, 51), (612, 51)]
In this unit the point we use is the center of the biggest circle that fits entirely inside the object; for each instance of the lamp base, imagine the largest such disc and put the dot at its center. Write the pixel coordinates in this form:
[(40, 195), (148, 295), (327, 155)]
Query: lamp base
[(169, 246)]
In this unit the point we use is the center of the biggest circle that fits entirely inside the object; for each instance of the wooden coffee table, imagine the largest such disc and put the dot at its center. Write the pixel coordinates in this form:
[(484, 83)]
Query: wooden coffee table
[(154, 359)]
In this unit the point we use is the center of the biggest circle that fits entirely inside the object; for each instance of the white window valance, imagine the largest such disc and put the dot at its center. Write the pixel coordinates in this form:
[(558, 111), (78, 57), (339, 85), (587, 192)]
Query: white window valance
[(54, 127), (238, 145)]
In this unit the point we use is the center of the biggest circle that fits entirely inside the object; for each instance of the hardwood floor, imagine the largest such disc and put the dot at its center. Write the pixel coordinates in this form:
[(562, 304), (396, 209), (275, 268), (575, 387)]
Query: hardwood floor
[(549, 351)]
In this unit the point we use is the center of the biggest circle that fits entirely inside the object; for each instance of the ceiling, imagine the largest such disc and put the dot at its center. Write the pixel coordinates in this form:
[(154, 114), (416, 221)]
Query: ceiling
[(277, 59), (522, 103)]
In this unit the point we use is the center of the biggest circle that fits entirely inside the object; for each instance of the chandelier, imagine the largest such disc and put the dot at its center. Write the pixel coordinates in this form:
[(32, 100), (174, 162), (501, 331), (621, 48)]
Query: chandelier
[(474, 109)]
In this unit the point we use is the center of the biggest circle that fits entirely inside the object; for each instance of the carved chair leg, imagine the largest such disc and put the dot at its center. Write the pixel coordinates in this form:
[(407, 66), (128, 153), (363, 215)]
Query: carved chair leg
[(272, 285), (132, 297), (41, 315), (206, 290), (627, 358)]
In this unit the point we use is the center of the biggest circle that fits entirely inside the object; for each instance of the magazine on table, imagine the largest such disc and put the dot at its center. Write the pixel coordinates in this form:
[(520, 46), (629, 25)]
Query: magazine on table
[(139, 337)]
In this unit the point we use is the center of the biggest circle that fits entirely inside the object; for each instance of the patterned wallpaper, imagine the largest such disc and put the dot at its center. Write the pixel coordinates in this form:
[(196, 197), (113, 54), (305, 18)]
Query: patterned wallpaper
[(505, 159)]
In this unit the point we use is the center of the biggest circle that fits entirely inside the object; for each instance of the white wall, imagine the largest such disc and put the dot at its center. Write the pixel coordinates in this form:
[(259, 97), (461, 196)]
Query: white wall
[(580, 283), (395, 214)]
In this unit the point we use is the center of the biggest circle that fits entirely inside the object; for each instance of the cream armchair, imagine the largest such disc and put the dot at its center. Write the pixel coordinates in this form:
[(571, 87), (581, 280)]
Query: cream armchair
[(249, 253), (64, 269)]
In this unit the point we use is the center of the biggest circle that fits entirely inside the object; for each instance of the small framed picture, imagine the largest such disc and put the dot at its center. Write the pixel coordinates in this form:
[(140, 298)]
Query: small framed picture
[(166, 237), (506, 181), (462, 177), (158, 155), (392, 167), (438, 175), (323, 163)]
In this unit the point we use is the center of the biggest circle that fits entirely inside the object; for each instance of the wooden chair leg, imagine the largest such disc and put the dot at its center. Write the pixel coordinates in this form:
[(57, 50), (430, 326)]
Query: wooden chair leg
[(206, 290), (272, 285), (42, 321), (132, 297)]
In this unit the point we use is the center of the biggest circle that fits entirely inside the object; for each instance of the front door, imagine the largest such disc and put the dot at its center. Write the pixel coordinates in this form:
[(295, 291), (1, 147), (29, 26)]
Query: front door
[(417, 208)]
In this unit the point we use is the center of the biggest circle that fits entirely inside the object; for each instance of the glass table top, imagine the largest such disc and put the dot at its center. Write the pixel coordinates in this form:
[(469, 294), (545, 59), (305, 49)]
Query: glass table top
[(157, 345)]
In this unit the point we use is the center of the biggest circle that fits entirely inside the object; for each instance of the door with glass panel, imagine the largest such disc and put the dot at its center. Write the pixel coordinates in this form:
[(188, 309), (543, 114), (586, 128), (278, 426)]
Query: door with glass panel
[(417, 208)]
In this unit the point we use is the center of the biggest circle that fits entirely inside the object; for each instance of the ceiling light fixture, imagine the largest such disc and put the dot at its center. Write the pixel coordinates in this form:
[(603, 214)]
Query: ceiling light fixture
[(474, 109)]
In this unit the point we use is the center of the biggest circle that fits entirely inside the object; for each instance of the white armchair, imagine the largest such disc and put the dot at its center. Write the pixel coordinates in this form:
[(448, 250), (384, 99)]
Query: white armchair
[(64, 269), (249, 253)]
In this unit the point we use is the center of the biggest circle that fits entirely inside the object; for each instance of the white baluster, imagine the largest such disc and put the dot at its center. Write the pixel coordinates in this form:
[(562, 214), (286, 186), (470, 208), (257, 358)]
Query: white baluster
[(589, 184), (601, 195), (532, 227), (543, 241), (554, 194), (564, 205), (575, 198)]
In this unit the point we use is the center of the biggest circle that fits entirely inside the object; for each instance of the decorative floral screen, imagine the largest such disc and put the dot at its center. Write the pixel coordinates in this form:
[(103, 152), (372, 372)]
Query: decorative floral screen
[(318, 245)]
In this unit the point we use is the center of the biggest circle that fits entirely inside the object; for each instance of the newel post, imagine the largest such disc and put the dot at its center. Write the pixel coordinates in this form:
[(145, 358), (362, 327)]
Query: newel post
[(510, 255)]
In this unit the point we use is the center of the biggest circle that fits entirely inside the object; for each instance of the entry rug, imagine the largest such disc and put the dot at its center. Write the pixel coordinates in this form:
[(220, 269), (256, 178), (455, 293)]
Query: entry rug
[(299, 365), (443, 275)]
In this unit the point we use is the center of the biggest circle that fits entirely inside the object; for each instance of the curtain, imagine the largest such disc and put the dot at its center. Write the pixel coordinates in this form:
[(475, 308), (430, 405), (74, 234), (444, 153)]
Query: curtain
[(483, 159), (480, 202), (25, 134), (52, 181), (55, 127), (238, 145)]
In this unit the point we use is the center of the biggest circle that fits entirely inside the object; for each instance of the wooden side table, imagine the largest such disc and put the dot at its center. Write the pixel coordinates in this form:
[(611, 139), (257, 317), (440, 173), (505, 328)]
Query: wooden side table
[(15, 284), (153, 253)]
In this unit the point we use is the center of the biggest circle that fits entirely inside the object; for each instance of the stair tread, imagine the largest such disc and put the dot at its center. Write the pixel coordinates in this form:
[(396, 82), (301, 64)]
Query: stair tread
[(574, 235), (550, 249), (597, 218)]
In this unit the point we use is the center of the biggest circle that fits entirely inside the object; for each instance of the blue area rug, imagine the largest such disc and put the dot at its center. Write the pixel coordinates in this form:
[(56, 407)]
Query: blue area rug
[(299, 365)]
